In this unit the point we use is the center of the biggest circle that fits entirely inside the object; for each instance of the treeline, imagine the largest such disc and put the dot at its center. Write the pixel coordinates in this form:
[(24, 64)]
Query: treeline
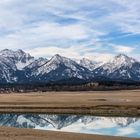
[(89, 86)]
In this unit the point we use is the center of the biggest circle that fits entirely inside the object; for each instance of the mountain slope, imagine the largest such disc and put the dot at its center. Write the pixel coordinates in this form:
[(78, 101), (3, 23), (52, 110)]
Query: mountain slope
[(58, 68), (121, 67)]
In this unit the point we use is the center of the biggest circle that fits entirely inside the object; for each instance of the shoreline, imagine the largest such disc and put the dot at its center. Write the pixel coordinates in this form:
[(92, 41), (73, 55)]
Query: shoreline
[(7, 133)]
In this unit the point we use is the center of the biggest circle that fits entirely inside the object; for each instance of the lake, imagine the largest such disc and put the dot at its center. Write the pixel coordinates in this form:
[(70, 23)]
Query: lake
[(114, 126)]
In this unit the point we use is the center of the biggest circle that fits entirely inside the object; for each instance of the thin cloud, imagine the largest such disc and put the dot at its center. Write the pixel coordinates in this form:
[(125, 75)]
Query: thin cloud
[(72, 52), (34, 24), (123, 49)]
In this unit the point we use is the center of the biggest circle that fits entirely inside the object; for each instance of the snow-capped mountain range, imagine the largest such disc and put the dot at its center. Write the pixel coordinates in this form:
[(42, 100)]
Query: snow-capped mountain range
[(20, 67)]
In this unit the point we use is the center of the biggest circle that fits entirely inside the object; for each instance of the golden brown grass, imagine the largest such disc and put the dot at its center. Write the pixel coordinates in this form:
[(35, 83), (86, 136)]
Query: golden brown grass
[(114, 103)]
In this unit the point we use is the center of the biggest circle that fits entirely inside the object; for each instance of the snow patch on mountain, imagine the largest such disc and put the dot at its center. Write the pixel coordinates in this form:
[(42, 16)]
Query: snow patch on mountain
[(89, 64)]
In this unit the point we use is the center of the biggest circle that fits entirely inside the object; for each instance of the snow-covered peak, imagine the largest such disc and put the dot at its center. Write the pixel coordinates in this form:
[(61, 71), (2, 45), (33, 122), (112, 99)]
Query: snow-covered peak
[(123, 59), (19, 57), (7, 53), (58, 59), (119, 61), (20, 51), (89, 64)]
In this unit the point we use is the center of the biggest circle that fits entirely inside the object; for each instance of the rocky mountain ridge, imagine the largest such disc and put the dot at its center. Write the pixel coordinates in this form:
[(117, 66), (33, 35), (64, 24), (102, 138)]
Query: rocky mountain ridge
[(20, 67)]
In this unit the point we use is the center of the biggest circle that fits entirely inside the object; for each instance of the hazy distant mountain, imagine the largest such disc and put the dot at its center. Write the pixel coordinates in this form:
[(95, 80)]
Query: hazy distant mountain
[(20, 67)]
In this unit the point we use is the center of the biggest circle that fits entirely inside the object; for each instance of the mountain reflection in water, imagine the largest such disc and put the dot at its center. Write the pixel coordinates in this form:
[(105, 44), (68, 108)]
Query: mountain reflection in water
[(115, 126)]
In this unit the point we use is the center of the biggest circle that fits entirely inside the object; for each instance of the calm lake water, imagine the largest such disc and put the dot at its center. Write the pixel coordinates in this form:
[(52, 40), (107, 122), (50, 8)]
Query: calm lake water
[(115, 126)]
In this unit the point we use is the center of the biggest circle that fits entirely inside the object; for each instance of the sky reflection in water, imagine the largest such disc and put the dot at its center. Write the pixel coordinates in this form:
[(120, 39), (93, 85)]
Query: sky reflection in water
[(115, 126)]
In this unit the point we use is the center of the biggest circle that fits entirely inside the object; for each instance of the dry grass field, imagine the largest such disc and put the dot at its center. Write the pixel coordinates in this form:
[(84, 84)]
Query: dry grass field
[(107, 103)]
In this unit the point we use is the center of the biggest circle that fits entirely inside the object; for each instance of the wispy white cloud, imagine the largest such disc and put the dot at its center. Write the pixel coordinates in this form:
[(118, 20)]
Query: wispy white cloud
[(74, 52), (44, 33), (123, 49), (37, 25)]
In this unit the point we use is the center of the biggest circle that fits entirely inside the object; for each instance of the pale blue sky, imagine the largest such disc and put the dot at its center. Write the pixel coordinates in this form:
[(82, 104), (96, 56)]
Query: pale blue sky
[(73, 28)]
